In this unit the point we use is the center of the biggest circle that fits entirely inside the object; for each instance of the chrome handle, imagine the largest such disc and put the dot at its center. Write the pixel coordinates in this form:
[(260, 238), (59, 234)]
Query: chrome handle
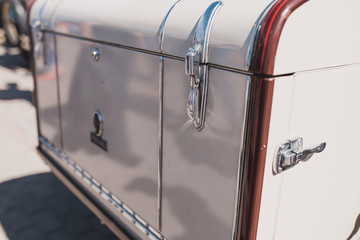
[(291, 152), (306, 154)]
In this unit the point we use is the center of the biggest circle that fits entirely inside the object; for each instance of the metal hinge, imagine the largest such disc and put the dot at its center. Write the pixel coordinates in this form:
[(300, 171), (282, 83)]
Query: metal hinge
[(291, 152)]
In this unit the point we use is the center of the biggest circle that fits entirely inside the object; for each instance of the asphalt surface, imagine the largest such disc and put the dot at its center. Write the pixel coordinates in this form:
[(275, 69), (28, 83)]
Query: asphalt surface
[(33, 203)]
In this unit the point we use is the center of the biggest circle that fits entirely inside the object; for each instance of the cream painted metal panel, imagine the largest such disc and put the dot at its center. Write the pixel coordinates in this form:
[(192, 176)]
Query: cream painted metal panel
[(320, 198), (200, 168), (127, 96), (319, 34), (279, 131), (131, 23)]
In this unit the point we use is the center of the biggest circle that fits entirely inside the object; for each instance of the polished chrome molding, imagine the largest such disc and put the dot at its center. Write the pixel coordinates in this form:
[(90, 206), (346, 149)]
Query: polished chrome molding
[(254, 31), (163, 25), (203, 29), (291, 152), (58, 91), (196, 68), (161, 100), (240, 173), (160, 157), (102, 191)]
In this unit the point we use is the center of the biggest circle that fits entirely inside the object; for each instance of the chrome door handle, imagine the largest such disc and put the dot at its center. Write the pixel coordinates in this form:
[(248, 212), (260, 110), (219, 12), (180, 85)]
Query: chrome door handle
[(291, 152)]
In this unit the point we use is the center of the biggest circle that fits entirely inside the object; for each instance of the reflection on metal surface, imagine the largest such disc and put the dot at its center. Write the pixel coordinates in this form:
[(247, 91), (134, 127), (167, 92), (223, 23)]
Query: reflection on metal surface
[(291, 152), (95, 54), (195, 67), (127, 212)]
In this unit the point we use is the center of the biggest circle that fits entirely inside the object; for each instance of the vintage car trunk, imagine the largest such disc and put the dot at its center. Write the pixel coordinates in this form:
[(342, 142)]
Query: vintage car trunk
[(169, 119)]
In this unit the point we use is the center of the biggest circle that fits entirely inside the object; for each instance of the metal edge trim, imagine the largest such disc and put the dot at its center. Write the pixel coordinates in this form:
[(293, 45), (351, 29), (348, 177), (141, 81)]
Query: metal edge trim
[(163, 26), (81, 195), (161, 130), (260, 105), (254, 31), (268, 35), (161, 122), (58, 91), (33, 73), (262, 87), (241, 165), (103, 192)]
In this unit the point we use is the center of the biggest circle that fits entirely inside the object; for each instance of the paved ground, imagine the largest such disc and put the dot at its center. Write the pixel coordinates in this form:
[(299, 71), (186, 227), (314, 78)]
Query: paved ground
[(33, 203)]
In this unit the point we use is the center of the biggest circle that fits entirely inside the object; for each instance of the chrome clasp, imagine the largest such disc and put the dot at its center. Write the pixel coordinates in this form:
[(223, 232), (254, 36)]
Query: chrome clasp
[(291, 152), (192, 69), (38, 37), (196, 66)]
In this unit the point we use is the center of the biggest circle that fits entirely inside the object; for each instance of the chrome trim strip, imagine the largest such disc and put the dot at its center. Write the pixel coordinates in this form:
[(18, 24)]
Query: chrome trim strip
[(160, 159), (161, 99), (163, 25), (58, 93), (203, 30), (127, 212), (254, 32), (239, 184)]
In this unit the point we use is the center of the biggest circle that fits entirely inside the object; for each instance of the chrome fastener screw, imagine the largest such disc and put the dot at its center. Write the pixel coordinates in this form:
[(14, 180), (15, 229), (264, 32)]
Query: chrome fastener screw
[(95, 54)]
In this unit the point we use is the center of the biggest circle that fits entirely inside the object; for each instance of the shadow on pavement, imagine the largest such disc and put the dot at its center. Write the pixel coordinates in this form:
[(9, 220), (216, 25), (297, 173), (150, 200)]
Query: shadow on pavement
[(12, 92), (13, 58), (40, 207)]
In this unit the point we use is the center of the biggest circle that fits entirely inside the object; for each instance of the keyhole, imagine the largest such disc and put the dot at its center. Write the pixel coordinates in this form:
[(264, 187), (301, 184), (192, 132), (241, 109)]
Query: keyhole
[(98, 122)]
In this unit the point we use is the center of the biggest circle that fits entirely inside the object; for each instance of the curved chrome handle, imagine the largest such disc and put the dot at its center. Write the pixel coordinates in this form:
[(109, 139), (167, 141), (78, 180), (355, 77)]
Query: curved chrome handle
[(291, 152), (306, 154)]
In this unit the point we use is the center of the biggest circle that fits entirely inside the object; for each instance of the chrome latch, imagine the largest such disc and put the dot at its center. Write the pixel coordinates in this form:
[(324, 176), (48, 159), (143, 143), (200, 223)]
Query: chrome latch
[(291, 152), (193, 70), (37, 36), (196, 66)]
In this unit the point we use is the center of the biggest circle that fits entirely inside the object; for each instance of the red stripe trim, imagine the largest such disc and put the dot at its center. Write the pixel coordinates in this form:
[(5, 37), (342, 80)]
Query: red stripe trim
[(268, 31), (267, 40), (261, 93)]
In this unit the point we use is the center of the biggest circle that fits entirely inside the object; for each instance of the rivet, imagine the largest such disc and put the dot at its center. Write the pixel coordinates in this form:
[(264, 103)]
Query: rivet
[(95, 54)]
